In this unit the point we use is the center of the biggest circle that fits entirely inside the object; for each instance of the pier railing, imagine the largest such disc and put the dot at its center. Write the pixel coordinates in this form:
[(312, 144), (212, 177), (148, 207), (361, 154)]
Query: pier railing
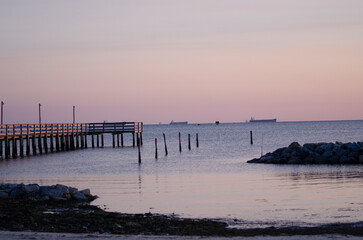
[(49, 137), (50, 129)]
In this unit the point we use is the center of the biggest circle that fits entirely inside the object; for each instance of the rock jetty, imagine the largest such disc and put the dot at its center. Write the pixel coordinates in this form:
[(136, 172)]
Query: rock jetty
[(315, 153), (36, 193)]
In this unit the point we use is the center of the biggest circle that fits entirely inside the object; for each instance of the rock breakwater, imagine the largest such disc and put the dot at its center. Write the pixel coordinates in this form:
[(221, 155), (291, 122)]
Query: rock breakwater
[(36, 193), (315, 153)]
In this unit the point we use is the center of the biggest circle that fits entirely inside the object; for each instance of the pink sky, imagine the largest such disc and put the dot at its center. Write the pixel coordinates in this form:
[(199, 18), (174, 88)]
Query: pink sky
[(197, 61)]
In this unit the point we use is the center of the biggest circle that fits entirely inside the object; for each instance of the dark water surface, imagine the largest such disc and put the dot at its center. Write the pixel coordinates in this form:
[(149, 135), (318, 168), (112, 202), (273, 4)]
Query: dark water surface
[(214, 180)]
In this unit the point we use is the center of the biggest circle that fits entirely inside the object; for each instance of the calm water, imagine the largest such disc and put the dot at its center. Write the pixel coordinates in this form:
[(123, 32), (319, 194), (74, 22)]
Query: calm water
[(214, 180)]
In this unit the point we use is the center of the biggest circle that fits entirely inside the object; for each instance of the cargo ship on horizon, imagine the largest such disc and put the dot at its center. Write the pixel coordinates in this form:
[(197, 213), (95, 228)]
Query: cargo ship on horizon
[(178, 123), (262, 120)]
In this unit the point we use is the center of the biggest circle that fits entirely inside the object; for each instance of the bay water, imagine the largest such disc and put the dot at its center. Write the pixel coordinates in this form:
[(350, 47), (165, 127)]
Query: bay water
[(213, 180)]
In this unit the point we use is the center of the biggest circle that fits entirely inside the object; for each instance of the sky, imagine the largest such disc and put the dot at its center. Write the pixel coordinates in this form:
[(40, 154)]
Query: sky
[(192, 60)]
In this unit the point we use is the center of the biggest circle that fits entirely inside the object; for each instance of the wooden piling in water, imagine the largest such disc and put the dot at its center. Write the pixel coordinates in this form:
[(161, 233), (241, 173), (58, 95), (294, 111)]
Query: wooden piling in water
[(63, 140), (1, 148), (156, 148), (73, 146), (40, 147), (113, 141), (180, 146), (34, 142), (68, 139), (141, 139), (57, 139), (27, 140), (139, 147), (118, 140), (51, 139), (189, 146), (122, 139), (15, 147), (45, 139), (85, 140), (251, 137), (166, 147), (82, 136), (21, 145), (7, 147), (102, 143), (98, 141), (133, 140), (77, 137), (197, 140)]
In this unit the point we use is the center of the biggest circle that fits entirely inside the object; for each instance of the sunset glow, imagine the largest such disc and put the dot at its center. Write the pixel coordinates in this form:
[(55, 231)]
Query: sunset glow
[(196, 61)]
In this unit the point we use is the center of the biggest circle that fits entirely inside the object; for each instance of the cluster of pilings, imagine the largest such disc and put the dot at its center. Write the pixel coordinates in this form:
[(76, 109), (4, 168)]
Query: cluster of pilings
[(180, 144)]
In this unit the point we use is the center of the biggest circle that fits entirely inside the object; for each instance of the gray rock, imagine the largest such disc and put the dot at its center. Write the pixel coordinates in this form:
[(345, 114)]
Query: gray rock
[(278, 151), (361, 159), (321, 160), (255, 160), (42, 198), (18, 191), (62, 188), (266, 158), (310, 146), (351, 147), (79, 196), (294, 160), (4, 195), (31, 188), (333, 159), (294, 145), (86, 192), (9, 186), (301, 153), (72, 190), (343, 152), (54, 192), (347, 160), (327, 154)]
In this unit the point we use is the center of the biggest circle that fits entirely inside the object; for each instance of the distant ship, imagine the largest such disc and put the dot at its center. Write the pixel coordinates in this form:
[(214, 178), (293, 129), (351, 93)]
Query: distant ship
[(262, 120), (178, 123)]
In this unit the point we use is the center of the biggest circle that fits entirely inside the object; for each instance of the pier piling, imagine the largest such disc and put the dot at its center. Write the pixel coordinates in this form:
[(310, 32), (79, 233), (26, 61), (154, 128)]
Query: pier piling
[(197, 140), (189, 147), (180, 146), (251, 137), (166, 147), (156, 148)]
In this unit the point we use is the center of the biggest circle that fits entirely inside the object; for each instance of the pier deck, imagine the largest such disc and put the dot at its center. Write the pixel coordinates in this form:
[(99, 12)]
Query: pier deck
[(50, 137)]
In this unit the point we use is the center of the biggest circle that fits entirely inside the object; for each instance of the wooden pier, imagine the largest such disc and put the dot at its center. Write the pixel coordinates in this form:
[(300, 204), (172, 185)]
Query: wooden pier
[(32, 139)]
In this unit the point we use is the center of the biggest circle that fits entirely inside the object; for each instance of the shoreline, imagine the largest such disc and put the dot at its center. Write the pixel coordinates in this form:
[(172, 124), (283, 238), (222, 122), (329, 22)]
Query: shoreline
[(61, 217), (5, 235)]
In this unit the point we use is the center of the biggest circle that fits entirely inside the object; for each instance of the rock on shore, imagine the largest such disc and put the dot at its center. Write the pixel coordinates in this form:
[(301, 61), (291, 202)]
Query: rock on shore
[(36, 193), (315, 153)]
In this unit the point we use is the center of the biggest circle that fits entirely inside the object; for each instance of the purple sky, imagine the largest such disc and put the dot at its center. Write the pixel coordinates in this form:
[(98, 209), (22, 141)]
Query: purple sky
[(191, 60)]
